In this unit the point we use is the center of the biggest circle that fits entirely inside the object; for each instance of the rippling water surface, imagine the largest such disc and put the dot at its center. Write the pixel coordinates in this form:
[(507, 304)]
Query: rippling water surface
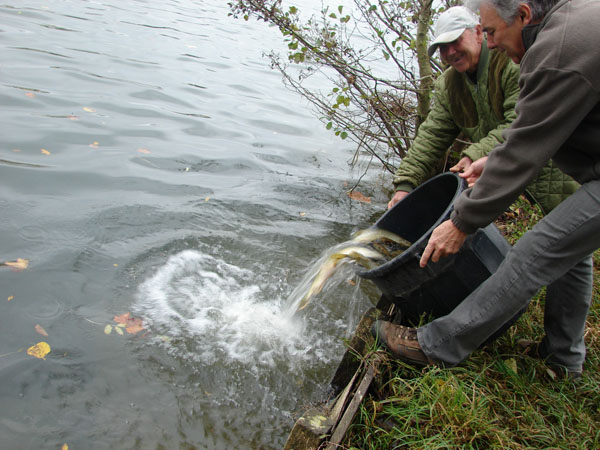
[(151, 162)]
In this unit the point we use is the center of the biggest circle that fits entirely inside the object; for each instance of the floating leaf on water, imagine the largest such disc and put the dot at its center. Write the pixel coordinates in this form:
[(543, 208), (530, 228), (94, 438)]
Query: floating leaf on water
[(132, 325), (19, 264), (108, 329), (133, 329), (30, 94), (95, 144), (317, 420), (206, 199), (64, 447), (123, 318), (45, 152), (40, 329), (39, 350), (119, 330), (302, 214), (11, 297), (144, 150), (88, 109), (355, 195)]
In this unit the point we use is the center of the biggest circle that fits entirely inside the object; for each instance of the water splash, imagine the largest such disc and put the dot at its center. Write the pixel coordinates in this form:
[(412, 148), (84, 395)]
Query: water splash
[(210, 311), (198, 298), (229, 343)]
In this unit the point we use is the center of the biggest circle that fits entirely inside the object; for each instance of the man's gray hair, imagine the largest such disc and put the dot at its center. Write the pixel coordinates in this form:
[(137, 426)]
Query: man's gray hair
[(508, 9)]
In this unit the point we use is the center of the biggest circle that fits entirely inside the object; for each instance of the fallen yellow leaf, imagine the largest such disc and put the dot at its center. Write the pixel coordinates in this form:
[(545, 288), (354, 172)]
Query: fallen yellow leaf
[(87, 109), (144, 150), (30, 94), (45, 152), (94, 144), (64, 447), (41, 330), (119, 330), (108, 329), (207, 199), (19, 264), (39, 350), (10, 297)]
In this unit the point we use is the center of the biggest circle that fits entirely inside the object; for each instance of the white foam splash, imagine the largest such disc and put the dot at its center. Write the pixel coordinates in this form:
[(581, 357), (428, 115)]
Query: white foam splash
[(212, 312)]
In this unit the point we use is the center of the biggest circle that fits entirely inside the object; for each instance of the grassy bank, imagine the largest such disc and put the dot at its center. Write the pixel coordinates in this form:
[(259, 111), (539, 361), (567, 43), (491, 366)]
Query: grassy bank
[(498, 398)]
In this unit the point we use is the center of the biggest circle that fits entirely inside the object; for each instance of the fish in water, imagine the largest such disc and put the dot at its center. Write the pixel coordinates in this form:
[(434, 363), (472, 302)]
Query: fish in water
[(365, 256), (369, 248)]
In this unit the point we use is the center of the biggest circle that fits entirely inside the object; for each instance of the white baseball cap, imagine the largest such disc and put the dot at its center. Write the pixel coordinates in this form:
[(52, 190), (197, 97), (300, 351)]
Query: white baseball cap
[(450, 25)]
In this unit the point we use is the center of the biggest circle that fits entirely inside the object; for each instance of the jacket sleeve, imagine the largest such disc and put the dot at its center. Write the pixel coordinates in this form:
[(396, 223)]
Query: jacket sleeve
[(552, 104), (510, 88), (433, 139)]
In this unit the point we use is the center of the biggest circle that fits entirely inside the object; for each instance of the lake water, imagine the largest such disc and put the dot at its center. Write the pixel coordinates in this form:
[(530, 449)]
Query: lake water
[(152, 163)]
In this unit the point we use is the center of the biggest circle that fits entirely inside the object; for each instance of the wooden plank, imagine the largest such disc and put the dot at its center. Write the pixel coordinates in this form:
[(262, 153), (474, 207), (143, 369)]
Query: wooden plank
[(359, 395)]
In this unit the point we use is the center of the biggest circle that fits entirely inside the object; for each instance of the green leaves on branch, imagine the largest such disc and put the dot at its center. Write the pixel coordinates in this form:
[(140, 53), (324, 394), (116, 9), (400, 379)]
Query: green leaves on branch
[(341, 100), (338, 132), (378, 65)]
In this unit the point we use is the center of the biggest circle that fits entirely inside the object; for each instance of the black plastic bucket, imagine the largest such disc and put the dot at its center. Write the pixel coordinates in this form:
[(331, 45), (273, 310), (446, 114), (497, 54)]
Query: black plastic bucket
[(438, 288)]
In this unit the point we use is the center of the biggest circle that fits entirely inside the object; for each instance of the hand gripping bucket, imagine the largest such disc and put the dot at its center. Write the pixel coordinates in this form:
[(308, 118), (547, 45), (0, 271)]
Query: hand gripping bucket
[(438, 288)]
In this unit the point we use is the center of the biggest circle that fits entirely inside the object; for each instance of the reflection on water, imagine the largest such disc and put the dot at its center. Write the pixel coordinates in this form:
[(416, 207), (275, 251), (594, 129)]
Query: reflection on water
[(151, 162)]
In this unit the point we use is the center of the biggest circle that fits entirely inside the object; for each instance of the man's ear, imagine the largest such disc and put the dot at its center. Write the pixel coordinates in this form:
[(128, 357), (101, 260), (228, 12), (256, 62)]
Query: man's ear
[(478, 33), (524, 14)]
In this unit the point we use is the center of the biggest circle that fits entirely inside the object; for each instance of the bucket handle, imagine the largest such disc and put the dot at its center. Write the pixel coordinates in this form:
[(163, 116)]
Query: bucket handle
[(427, 267)]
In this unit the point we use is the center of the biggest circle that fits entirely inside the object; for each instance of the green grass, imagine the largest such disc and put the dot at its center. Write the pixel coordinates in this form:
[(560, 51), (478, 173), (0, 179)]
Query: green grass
[(499, 398)]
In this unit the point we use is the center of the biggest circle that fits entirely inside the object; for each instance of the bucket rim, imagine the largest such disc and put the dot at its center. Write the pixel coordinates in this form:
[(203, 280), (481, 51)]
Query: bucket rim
[(414, 249)]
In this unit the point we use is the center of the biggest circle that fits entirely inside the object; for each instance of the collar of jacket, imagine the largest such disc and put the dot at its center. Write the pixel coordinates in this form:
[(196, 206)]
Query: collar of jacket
[(530, 32), (484, 57)]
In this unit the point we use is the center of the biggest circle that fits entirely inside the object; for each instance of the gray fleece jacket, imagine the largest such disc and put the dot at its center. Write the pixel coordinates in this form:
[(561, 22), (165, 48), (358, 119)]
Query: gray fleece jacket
[(558, 114)]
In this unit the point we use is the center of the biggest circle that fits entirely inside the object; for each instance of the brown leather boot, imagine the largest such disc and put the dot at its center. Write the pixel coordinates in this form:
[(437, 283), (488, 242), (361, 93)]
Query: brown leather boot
[(401, 342)]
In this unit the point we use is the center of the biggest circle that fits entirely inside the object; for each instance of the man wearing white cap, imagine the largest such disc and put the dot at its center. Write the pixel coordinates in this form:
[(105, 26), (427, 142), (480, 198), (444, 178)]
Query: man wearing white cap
[(475, 96)]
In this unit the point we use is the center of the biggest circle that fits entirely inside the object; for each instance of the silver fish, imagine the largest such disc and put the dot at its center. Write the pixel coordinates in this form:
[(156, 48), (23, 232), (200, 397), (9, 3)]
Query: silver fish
[(374, 234), (362, 255)]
